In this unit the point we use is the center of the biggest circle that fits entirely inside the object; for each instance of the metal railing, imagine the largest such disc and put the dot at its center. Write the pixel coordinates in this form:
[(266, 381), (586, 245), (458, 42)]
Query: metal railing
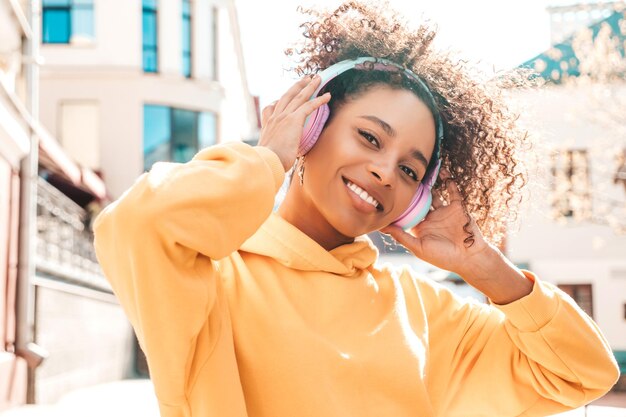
[(64, 240)]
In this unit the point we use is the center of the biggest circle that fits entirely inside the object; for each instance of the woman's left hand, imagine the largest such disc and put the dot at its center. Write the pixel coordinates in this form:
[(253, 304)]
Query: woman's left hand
[(448, 237)]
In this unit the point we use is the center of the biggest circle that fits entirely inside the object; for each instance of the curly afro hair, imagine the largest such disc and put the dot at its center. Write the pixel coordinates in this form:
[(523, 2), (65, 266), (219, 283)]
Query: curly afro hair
[(482, 143)]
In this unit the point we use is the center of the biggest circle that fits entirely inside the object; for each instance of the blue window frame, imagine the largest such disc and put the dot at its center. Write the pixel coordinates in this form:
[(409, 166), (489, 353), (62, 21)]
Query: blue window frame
[(186, 38), (171, 134), (67, 20), (150, 36)]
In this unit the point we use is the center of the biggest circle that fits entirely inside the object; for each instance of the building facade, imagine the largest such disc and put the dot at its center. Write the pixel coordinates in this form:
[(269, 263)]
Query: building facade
[(14, 148), (43, 231), (122, 84), (129, 83), (573, 231)]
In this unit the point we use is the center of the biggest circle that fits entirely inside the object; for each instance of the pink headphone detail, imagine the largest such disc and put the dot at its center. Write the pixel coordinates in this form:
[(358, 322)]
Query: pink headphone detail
[(314, 124)]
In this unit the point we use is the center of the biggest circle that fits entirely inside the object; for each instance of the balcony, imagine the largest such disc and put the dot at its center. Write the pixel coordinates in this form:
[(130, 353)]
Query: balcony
[(65, 242)]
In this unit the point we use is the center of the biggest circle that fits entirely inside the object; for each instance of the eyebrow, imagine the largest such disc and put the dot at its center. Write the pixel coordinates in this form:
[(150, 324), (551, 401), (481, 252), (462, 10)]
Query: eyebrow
[(417, 154), (420, 157), (384, 125)]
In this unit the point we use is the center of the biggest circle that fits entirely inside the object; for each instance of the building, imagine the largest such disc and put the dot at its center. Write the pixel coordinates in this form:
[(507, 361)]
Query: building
[(47, 262), (574, 231), (128, 83), (15, 145), (570, 17), (117, 85)]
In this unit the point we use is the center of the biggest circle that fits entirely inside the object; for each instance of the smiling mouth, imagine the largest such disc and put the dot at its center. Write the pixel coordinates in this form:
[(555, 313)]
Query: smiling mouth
[(363, 194)]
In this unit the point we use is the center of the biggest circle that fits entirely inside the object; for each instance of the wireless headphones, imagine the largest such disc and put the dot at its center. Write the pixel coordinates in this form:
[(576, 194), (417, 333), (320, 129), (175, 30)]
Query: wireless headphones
[(422, 200)]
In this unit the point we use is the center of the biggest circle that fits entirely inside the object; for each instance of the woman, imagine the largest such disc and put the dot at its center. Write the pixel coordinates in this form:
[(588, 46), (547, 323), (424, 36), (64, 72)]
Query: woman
[(242, 312)]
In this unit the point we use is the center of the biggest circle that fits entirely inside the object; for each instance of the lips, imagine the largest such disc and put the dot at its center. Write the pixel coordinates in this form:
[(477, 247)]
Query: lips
[(363, 194)]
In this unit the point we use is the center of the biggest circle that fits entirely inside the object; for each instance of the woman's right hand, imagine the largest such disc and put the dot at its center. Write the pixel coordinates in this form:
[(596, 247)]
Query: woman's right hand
[(282, 122)]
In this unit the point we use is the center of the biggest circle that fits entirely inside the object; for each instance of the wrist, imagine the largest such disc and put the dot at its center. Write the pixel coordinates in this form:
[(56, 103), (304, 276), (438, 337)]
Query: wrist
[(494, 275), (478, 265), (283, 159)]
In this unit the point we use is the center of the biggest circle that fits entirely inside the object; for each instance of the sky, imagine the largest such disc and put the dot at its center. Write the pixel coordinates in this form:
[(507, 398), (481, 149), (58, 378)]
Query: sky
[(493, 34)]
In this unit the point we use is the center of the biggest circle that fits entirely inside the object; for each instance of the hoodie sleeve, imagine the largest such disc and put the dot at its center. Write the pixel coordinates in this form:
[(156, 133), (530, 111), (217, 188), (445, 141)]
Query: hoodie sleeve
[(156, 245), (536, 356)]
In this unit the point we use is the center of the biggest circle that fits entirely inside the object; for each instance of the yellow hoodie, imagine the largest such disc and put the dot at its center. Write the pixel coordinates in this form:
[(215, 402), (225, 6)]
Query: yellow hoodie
[(241, 314)]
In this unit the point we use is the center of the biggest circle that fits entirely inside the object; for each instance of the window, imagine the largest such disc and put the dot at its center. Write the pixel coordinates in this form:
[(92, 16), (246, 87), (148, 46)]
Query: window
[(186, 38), (172, 134), (620, 173), (67, 21), (572, 188), (582, 294), (150, 38)]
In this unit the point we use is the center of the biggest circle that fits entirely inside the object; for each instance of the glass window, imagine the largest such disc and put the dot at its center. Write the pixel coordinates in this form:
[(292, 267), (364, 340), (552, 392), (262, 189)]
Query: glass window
[(620, 174), (571, 184), (184, 134), (582, 294), (207, 130), (186, 38), (56, 26), (157, 131), (150, 37), (65, 21), (172, 134)]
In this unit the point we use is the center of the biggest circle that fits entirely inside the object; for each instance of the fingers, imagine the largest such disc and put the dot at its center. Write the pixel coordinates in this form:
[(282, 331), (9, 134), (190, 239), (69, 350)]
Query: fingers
[(308, 107), (294, 91), (454, 194), (267, 112), (437, 199), (453, 191), (303, 95), (407, 240)]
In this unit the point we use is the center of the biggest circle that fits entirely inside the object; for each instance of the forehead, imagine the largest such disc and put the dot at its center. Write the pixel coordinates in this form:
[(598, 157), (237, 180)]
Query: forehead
[(401, 109)]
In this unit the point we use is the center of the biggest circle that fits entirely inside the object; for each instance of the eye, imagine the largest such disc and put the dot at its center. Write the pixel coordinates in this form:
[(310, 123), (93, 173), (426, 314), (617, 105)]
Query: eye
[(409, 172), (370, 138)]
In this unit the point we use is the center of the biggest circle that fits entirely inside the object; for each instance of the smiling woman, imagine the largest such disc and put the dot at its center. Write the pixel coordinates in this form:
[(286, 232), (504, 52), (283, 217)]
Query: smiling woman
[(380, 144), (245, 312)]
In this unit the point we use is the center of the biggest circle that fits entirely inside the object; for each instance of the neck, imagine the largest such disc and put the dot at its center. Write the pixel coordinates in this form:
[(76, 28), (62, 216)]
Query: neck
[(300, 211)]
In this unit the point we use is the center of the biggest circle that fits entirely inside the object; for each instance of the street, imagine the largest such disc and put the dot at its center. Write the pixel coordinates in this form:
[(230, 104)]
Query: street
[(135, 398)]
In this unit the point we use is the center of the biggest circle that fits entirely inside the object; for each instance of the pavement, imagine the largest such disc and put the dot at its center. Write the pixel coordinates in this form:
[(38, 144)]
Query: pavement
[(135, 398), (127, 398)]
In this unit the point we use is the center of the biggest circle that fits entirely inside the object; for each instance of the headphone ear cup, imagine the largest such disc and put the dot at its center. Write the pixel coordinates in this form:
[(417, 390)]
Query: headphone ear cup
[(313, 127), (421, 202), (418, 209)]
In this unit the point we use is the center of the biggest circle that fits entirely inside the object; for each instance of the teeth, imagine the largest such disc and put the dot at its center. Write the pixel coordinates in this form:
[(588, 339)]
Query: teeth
[(363, 194)]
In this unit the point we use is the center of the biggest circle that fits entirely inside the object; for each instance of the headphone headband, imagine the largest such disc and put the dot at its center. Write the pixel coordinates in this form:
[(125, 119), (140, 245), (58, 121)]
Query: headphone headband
[(381, 64)]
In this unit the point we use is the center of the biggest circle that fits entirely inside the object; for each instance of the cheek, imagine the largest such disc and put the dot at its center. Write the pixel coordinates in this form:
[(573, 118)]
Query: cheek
[(403, 199)]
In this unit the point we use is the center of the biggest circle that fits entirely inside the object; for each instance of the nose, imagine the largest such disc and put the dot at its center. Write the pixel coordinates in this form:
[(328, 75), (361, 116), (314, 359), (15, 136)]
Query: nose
[(384, 173)]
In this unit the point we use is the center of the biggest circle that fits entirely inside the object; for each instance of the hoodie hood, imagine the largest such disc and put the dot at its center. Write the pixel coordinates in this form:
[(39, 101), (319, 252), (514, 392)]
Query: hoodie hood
[(288, 245)]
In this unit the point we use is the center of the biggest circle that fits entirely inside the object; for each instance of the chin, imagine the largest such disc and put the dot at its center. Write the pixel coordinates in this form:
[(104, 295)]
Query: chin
[(350, 227)]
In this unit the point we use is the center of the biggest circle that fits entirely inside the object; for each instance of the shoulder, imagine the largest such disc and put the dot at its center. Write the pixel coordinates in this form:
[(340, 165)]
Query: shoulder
[(433, 296)]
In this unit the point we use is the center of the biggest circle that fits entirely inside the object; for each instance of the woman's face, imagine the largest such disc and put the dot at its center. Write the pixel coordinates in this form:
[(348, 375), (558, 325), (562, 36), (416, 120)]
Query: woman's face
[(369, 160)]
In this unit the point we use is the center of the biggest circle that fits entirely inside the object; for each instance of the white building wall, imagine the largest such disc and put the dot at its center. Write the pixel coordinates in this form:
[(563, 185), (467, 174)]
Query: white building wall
[(573, 252), (203, 40), (170, 38), (109, 73), (117, 43)]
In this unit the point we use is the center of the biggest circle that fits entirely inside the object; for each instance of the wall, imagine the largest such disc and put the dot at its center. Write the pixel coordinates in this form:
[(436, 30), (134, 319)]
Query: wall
[(109, 74), (87, 336), (572, 252)]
